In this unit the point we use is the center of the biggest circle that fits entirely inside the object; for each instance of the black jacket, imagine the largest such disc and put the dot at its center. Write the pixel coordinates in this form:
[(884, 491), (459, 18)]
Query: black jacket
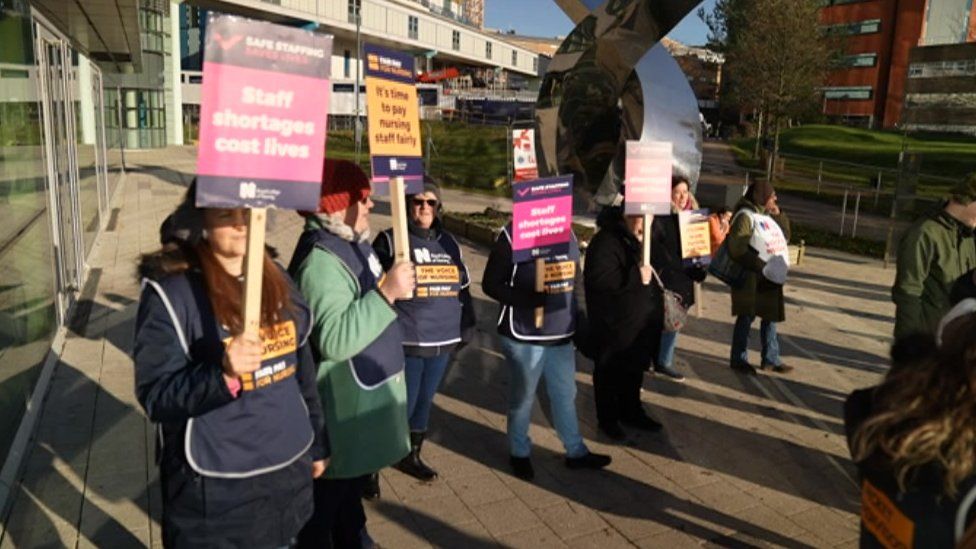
[(932, 513), (666, 259), (625, 316)]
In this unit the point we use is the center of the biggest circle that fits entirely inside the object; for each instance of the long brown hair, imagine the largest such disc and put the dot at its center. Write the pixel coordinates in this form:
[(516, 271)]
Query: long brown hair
[(925, 413), (226, 291)]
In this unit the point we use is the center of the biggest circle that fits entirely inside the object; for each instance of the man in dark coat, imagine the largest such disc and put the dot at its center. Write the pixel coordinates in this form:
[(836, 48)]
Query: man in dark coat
[(625, 314), (757, 295)]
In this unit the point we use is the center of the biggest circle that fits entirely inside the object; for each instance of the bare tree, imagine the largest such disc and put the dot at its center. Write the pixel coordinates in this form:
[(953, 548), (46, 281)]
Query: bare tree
[(777, 57)]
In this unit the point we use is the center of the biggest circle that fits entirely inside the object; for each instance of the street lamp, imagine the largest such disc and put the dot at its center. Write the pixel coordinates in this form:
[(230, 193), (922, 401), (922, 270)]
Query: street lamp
[(359, 67)]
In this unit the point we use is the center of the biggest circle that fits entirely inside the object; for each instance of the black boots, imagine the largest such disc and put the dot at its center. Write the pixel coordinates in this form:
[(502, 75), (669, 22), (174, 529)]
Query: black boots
[(412, 464), (372, 488)]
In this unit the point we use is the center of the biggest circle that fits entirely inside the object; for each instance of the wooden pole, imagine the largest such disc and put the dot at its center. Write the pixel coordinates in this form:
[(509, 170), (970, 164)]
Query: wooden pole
[(540, 286), (647, 240), (257, 219), (398, 211)]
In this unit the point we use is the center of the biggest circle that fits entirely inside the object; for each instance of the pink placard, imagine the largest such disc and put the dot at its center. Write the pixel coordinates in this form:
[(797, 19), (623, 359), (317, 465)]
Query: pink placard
[(647, 179), (241, 138), (542, 217), (263, 115), (542, 224)]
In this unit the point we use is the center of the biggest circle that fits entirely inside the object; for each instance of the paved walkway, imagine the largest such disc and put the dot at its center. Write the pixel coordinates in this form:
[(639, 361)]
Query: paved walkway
[(742, 462)]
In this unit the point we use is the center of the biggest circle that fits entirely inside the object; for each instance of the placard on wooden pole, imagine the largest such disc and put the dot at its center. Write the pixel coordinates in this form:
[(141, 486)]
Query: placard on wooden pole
[(398, 211), (257, 219)]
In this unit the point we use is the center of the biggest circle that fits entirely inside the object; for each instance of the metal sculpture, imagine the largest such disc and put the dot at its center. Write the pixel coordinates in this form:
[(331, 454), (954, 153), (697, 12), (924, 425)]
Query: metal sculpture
[(612, 81)]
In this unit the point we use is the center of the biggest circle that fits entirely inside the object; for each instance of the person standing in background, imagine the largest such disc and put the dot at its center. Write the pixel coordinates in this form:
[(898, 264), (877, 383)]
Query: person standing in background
[(666, 258), (535, 352), (935, 254), (436, 320), (625, 312), (759, 225)]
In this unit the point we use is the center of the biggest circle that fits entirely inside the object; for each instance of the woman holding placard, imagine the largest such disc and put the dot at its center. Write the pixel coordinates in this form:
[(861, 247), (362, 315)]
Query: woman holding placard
[(625, 313), (239, 418), (434, 322), (359, 348), (533, 352), (758, 241), (666, 258)]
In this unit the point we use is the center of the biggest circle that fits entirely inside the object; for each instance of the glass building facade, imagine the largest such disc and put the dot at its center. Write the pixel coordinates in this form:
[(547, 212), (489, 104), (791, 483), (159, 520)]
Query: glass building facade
[(57, 174)]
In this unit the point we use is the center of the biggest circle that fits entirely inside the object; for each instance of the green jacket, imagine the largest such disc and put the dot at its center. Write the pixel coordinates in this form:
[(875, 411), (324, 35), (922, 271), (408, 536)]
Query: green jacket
[(756, 296), (367, 428), (934, 253)]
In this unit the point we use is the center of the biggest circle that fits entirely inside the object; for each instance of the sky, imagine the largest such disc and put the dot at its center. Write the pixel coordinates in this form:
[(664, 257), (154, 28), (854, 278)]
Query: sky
[(544, 18)]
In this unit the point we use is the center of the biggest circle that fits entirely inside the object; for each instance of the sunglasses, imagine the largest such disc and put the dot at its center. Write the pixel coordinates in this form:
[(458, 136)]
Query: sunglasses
[(419, 202)]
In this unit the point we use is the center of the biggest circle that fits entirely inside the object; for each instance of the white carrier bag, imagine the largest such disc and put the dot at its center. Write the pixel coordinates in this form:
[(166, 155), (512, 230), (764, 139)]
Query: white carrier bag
[(770, 243)]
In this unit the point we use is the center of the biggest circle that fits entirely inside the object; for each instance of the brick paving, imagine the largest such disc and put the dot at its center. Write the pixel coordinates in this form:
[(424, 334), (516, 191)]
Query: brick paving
[(742, 461)]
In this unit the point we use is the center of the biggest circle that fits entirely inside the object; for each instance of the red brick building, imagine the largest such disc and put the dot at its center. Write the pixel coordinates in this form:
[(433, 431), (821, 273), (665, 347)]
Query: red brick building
[(878, 38)]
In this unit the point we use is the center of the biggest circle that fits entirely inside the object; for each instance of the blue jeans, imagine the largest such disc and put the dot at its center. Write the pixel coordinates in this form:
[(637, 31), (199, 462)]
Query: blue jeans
[(740, 341), (529, 363), (669, 342), (424, 377)]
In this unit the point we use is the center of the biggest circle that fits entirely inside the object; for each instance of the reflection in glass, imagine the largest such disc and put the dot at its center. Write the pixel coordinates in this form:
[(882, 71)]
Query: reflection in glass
[(27, 315)]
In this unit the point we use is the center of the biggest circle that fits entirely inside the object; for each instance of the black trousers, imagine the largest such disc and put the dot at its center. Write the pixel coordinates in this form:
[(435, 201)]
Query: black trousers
[(616, 390), (339, 519)]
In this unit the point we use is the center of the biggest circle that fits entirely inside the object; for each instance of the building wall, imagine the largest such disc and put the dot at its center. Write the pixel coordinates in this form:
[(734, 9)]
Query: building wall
[(941, 89), (389, 22), (886, 29)]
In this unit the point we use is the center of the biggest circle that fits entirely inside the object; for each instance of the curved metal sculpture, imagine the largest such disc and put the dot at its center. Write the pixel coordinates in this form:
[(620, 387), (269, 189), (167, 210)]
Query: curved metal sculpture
[(610, 82)]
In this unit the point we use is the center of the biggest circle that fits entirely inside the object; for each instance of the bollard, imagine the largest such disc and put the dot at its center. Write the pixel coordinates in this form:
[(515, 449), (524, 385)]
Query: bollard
[(857, 209), (801, 253), (843, 213), (819, 177)]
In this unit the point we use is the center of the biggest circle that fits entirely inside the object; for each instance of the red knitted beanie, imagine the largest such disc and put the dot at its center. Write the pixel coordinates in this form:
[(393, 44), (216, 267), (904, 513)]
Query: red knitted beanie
[(343, 184)]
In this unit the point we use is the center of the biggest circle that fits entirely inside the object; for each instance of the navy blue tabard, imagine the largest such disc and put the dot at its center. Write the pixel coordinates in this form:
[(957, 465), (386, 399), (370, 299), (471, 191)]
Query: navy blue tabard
[(560, 310), (267, 426), (433, 317)]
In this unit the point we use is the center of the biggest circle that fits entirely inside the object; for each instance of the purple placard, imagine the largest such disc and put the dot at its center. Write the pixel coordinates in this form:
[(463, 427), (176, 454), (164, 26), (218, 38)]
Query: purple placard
[(263, 118), (542, 218), (410, 168)]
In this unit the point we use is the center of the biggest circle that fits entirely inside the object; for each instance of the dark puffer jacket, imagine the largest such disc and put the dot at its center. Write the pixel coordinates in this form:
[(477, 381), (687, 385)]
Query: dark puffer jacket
[(625, 316)]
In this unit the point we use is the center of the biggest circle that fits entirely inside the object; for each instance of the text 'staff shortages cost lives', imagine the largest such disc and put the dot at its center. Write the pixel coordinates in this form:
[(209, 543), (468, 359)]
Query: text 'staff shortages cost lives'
[(263, 119), (647, 178), (542, 218), (394, 119)]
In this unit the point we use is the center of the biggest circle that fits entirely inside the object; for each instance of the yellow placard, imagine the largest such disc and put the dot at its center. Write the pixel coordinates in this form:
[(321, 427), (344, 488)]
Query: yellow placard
[(560, 272), (438, 274), (394, 118), (695, 240), (883, 519)]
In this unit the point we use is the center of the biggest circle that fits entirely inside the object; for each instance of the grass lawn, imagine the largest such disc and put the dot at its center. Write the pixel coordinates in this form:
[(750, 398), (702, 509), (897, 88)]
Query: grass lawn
[(943, 155), (468, 156)]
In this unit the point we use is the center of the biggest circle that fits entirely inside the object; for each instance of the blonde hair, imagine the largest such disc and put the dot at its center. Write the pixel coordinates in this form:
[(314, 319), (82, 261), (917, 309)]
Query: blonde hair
[(925, 412)]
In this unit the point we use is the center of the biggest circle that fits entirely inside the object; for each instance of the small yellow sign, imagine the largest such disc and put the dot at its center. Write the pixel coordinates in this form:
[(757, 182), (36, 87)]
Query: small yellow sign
[(883, 518)]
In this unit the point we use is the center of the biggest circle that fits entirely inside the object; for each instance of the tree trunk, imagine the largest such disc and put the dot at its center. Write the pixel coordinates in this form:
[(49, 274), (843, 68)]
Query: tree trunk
[(776, 144), (759, 134)]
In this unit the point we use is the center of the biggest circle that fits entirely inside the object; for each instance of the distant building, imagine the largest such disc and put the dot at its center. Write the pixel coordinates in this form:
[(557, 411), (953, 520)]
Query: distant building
[(940, 92), (703, 68), (873, 86)]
